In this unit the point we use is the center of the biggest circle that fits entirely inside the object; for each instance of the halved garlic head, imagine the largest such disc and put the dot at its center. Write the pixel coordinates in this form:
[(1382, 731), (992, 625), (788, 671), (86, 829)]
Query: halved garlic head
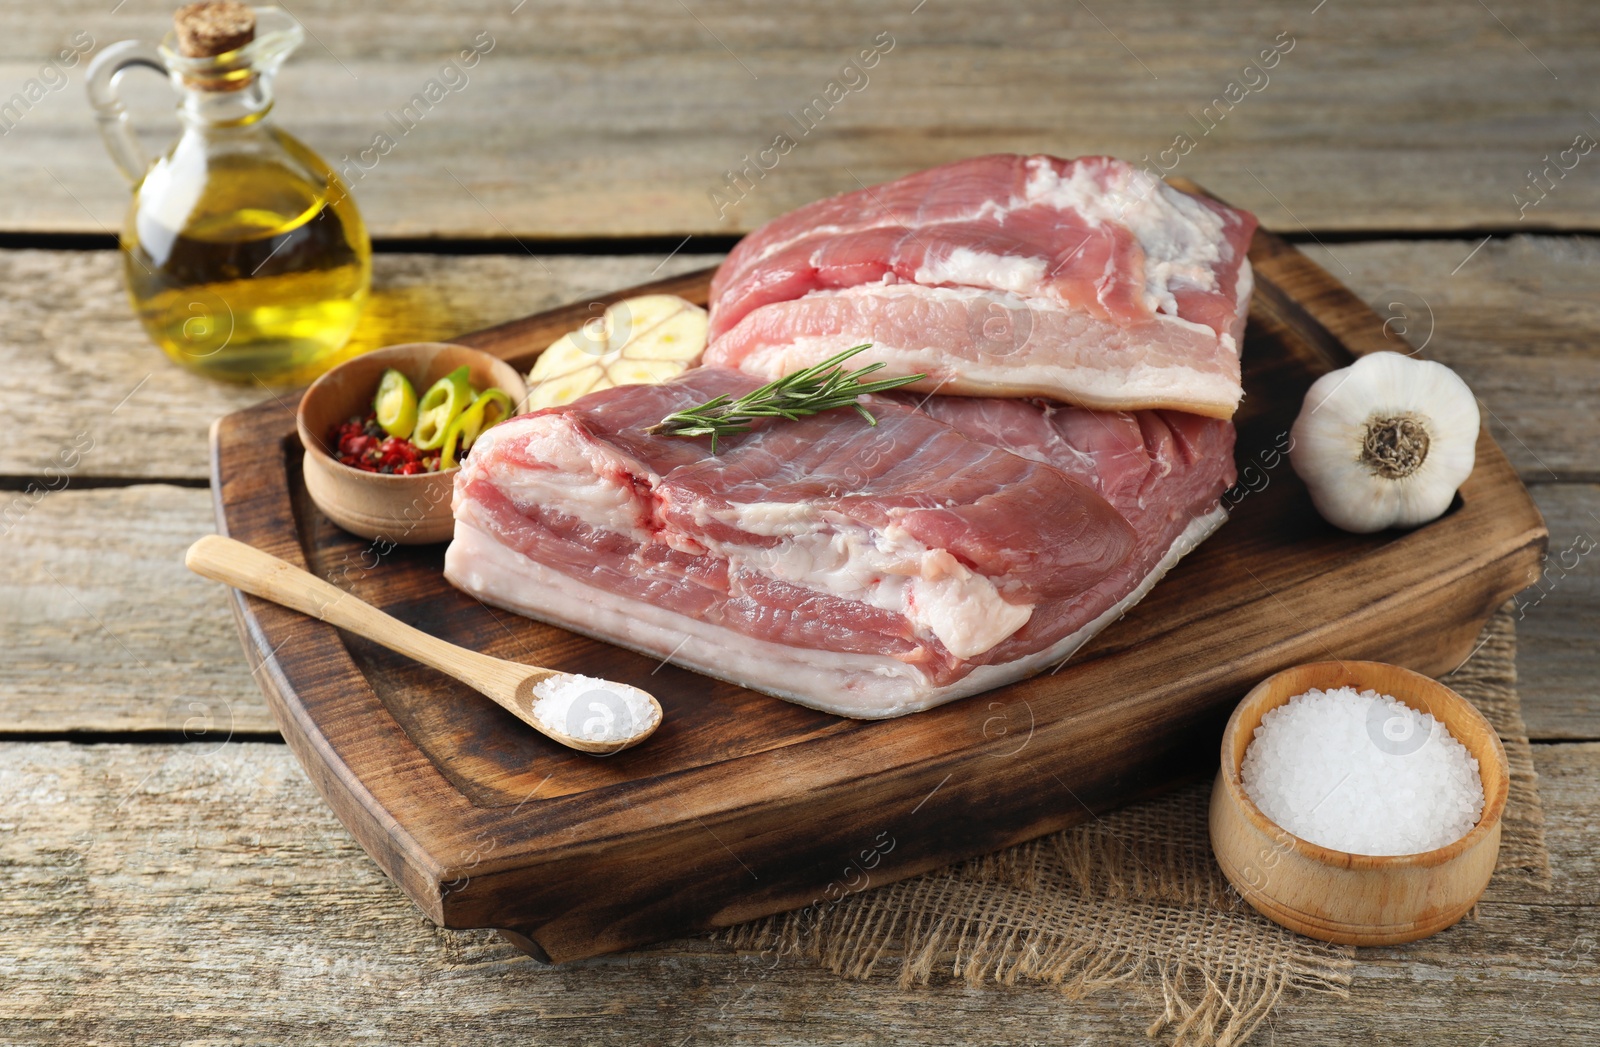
[(636, 341)]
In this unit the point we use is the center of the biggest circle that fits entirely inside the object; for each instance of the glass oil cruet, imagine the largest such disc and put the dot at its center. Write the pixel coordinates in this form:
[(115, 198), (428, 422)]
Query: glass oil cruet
[(245, 256)]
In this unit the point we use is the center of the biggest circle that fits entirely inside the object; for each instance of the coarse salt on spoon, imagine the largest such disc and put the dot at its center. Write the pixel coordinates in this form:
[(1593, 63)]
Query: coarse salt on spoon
[(581, 712)]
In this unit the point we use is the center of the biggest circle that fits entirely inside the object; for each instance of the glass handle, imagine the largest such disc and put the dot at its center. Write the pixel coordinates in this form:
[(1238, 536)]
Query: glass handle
[(115, 126)]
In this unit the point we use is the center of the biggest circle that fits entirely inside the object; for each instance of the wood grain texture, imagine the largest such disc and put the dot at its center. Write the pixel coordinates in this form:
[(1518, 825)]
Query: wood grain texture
[(622, 120), (159, 893), (52, 681), (438, 799), (1520, 320), (154, 893), (68, 335), (103, 628), (508, 684), (1558, 654), (181, 642)]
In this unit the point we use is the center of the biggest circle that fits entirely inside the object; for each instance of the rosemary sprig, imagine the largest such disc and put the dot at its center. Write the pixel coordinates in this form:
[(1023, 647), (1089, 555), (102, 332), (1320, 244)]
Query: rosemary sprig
[(820, 387)]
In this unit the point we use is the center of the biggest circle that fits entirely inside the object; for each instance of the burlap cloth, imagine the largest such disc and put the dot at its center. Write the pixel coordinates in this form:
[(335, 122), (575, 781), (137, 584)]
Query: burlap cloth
[(1133, 899)]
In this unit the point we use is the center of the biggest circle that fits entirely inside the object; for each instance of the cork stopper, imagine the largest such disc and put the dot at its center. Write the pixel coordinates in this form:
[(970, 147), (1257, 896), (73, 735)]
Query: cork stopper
[(213, 27)]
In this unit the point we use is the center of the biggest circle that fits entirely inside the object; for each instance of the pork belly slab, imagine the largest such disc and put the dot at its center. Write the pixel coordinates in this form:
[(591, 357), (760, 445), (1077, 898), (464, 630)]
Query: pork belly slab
[(1088, 281), (865, 571)]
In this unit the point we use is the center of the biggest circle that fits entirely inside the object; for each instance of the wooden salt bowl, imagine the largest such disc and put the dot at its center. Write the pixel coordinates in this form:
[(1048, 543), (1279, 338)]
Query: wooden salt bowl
[(1355, 899), (405, 510)]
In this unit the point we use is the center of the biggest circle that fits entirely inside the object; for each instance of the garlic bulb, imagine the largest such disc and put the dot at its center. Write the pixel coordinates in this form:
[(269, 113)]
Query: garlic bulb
[(1385, 442)]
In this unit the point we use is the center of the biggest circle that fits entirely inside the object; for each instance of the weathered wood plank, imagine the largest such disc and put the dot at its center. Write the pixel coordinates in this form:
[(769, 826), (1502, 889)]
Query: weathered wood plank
[(106, 632), (1519, 319), (1124, 719), (624, 120), (1558, 627), (161, 892), (68, 336)]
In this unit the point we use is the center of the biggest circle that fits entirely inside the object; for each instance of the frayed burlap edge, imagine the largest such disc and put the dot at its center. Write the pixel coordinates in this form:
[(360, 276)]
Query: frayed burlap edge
[(1132, 899), (1488, 678)]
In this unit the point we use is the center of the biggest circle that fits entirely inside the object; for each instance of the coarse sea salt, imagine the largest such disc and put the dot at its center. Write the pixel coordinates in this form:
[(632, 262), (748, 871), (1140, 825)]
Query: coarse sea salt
[(592, 709), (1363, 773)]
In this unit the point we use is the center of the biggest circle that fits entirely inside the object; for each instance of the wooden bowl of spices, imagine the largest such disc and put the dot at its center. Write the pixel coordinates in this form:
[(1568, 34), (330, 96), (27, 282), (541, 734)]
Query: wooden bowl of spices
[(1387, 775), (385, 506)]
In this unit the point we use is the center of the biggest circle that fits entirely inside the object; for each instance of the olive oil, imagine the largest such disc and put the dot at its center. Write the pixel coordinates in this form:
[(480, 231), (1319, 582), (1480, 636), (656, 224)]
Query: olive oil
[(263, 277), (245, 256)]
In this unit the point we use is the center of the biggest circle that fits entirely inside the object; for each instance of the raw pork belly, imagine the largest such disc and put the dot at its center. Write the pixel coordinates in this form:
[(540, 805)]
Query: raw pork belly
[(1088, 281), (1163, 471), (866, 571)]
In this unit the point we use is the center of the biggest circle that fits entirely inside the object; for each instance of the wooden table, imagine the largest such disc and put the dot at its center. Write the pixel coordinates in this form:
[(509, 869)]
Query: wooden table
[(168, 872)]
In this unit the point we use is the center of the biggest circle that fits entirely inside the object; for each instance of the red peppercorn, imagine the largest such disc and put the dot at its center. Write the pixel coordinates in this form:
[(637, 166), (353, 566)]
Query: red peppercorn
[(362, 444), (356, 445)]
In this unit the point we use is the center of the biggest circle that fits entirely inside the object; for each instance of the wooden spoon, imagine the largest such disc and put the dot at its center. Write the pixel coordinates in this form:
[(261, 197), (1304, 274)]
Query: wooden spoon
[(508, 684)]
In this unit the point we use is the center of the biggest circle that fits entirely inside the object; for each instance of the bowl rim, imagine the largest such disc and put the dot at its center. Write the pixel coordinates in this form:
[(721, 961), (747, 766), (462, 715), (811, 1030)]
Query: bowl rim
[(312, 443), (1495, 792)]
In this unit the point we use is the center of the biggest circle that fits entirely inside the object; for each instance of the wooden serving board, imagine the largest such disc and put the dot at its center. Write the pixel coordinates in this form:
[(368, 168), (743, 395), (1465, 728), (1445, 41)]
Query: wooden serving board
[(743, 805)]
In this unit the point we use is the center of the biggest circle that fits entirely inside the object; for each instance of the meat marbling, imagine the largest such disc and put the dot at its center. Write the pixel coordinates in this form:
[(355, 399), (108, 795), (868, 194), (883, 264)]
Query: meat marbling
[(866, 571), (1088, 281)]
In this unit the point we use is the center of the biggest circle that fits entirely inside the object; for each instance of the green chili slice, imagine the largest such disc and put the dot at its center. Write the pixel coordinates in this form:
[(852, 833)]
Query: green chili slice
[(494, 398), (464, 431), (396, 404), (440, 405)]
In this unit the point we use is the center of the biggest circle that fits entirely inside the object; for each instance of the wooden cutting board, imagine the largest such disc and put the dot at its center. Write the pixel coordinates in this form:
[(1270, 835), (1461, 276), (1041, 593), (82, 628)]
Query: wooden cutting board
[(743, 805)]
